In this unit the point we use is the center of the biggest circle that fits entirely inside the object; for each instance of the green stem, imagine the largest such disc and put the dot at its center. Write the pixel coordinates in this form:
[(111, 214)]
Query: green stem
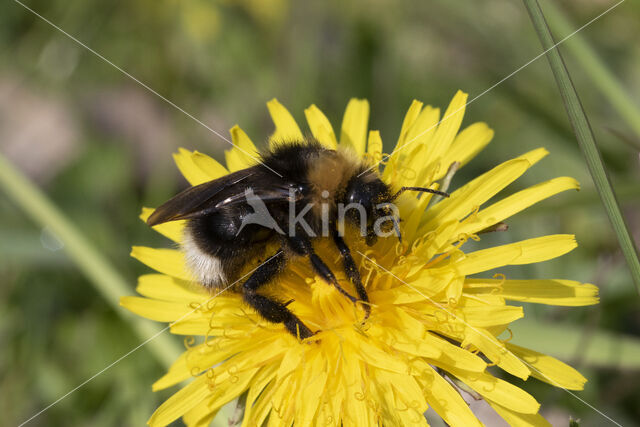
[(97, 269), (594, 68), (586, 140)]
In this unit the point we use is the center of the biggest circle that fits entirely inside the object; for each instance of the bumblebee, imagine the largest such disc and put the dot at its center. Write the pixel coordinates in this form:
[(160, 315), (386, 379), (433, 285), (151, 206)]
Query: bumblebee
[(298, 192)]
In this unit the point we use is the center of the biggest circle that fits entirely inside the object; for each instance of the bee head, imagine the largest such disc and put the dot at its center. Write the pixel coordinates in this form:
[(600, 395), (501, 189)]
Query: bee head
[(368, 205)]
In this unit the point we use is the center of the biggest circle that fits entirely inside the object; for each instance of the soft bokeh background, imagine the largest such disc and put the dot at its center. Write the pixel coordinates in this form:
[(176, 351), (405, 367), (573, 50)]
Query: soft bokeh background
[(99, 145)]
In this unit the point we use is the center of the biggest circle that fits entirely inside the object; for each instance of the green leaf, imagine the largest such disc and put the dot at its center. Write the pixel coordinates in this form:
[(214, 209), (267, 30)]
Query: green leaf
[(87, 258), (586, 140)]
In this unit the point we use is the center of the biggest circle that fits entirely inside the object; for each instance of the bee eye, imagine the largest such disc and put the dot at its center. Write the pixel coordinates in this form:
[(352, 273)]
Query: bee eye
[(298, 188), (360, 196), (366, 194)]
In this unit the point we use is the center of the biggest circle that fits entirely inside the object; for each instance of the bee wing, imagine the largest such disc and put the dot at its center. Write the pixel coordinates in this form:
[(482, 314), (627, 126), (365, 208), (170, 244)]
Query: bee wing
[(223, 192), (194, 200), (276, 193)]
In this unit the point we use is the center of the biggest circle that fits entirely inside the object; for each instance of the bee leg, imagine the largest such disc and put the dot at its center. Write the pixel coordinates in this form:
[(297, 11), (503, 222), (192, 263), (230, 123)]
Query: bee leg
[(321, 268), (271, 310), (303, 246), (352, 271)]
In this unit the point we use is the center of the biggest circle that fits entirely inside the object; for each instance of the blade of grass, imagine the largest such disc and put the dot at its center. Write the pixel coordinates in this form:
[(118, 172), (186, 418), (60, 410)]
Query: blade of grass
[(586, 140), (109, 283), (594, 68)]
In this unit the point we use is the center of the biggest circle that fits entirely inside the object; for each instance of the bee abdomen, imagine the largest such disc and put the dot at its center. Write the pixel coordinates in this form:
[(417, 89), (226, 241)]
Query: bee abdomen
[(206, 268)]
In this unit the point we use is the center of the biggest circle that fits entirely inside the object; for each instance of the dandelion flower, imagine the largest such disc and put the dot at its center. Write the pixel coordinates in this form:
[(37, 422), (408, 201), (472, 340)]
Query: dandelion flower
[(434, 320)]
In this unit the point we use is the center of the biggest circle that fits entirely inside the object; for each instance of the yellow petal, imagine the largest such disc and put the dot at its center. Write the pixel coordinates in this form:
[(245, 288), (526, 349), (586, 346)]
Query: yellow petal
[(314, 378), (534, 156), (212, 167), (374, 146), (173, 230), (516, 419), (383, 391), (429, 286), (242, 141), (160, 311), (333, 400), (466, 146), (375, 356), (496, 351), (415, 157), (499, 391), (420, 133), (517, 202), (418, 348), (321, 127), (167, 261), (191, 327), (409, 119), (167, 288), (549, 369), (192, 172), (475, 193), (287, 129), (439, 239), (231, 321), (455, 357), (290, 362), (446, 400), (486, 315), (234, 160), (181, 402), (447, 128), (199, 416), (231, 387), (550, 292), (409, 392), (412, 221), (238, 159), (240, 368), (354, 125), (284, 402), (400, 398), (410, 171), (524, 252), (201, 357), (357, 409), (244, 154), (178, 372), (262, 408), (257, 386)]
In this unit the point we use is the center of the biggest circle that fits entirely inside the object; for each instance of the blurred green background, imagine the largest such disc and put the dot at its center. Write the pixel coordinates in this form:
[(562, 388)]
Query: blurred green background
[(99, 146)]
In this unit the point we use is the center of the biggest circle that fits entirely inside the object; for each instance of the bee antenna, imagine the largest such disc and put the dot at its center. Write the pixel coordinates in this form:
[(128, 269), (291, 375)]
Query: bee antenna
[(422, 189)]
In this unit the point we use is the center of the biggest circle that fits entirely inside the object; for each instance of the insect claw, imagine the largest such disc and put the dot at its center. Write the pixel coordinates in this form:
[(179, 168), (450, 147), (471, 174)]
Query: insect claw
[(367, 309)]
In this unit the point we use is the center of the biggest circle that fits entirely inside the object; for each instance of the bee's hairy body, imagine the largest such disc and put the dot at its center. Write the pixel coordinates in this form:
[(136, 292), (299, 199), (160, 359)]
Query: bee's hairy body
[(221, 242), (215, 248)]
